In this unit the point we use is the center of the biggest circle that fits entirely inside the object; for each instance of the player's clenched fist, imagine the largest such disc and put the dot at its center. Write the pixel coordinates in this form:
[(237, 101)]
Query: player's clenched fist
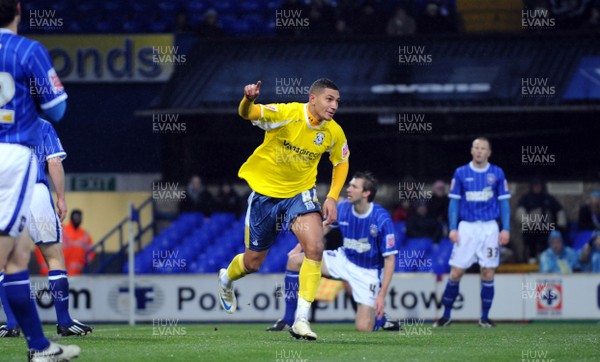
[(251, 91)]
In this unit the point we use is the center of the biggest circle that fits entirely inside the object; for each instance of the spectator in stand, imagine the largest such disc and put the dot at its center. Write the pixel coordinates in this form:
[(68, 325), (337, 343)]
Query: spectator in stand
[(558, 258), (589, 214), (402, 212), (341, 27), (421, 225), (589, 256), (593, 22), (209, 26), (401, 24), (321, 18), (438, 204), (197, 198), (367, 20), (436, 19), (76, 242), (228, 200), (571, 14), (182, 24), (539, 213)]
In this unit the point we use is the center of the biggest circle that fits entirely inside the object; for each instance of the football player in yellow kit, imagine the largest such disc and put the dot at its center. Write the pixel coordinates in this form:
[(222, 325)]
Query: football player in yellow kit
[(282, 174)]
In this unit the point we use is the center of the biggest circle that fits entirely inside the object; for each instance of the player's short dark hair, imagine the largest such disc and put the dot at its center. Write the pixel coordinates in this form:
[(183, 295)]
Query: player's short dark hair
[(370, 183), (75, 211), (322, 83), (8, 12), (481, 138)]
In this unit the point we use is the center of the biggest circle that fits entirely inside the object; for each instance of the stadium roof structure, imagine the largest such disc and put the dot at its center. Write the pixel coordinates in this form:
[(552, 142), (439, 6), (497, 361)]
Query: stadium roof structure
[(447, 74)]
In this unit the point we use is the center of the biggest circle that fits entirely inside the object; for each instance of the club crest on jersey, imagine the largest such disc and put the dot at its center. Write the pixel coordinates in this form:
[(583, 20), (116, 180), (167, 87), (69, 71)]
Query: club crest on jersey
[(319, 138), (491, 178), (373, 230)]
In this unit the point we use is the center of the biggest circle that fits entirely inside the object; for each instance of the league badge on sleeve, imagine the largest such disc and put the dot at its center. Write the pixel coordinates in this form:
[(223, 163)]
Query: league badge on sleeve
[(390, 241), (57, 86), (345, 150)]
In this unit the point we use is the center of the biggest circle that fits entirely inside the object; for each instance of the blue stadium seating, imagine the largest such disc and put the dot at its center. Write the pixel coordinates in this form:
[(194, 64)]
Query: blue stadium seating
[(400, 229), (205, 245), (424, 245), (154, 16), (581, 238)]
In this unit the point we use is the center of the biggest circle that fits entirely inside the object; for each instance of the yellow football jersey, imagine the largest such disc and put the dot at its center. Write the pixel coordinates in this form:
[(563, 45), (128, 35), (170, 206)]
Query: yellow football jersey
[(285, 164)]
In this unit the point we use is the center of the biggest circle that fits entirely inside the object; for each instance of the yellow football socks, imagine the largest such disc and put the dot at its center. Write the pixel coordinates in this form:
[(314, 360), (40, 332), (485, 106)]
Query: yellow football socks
[(236, 269), (310, 275)]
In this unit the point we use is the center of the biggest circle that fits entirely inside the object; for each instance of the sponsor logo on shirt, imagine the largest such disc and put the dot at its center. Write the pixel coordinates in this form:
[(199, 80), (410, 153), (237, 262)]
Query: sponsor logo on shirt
[(361, 245), (301, 151), (483, 195)]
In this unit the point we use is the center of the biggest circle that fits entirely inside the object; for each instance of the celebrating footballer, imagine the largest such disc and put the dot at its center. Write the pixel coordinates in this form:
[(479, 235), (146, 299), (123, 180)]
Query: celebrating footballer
[(283, 188)]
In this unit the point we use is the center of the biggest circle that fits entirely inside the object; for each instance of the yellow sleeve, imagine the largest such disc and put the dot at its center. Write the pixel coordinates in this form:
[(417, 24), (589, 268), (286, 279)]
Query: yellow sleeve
[(338, 179), (248, 110), (274, 115)]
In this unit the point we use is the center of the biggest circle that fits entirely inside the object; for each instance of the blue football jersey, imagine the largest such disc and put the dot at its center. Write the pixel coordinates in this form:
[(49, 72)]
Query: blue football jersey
[(367, 238), (28, 85), (50, 147), (479, 191)]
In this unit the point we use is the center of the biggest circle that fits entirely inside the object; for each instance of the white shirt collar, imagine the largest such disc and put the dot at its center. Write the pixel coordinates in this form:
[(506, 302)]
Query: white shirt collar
[(480, 170), (366, 214)]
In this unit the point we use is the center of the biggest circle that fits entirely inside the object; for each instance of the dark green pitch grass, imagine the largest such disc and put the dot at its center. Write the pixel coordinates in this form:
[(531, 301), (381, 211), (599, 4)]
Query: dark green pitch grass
[(337, 342)]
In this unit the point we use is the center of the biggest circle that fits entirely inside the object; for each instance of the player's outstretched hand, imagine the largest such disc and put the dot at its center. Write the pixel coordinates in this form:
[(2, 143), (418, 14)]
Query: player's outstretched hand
[(251, 91), (330, 211), (453, 236), (504, 237)]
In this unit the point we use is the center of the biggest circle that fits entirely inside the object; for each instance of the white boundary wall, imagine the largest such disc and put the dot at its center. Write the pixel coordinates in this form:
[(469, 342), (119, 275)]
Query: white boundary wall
[(194, 298)]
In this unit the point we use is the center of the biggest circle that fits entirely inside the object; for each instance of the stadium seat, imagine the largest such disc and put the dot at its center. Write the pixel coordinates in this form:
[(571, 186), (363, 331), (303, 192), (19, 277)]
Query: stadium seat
[(581, 238), (194, 218), (196, 7), (420, 244), (400, 229), (445, 246), (440, 264), (403, 265)]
